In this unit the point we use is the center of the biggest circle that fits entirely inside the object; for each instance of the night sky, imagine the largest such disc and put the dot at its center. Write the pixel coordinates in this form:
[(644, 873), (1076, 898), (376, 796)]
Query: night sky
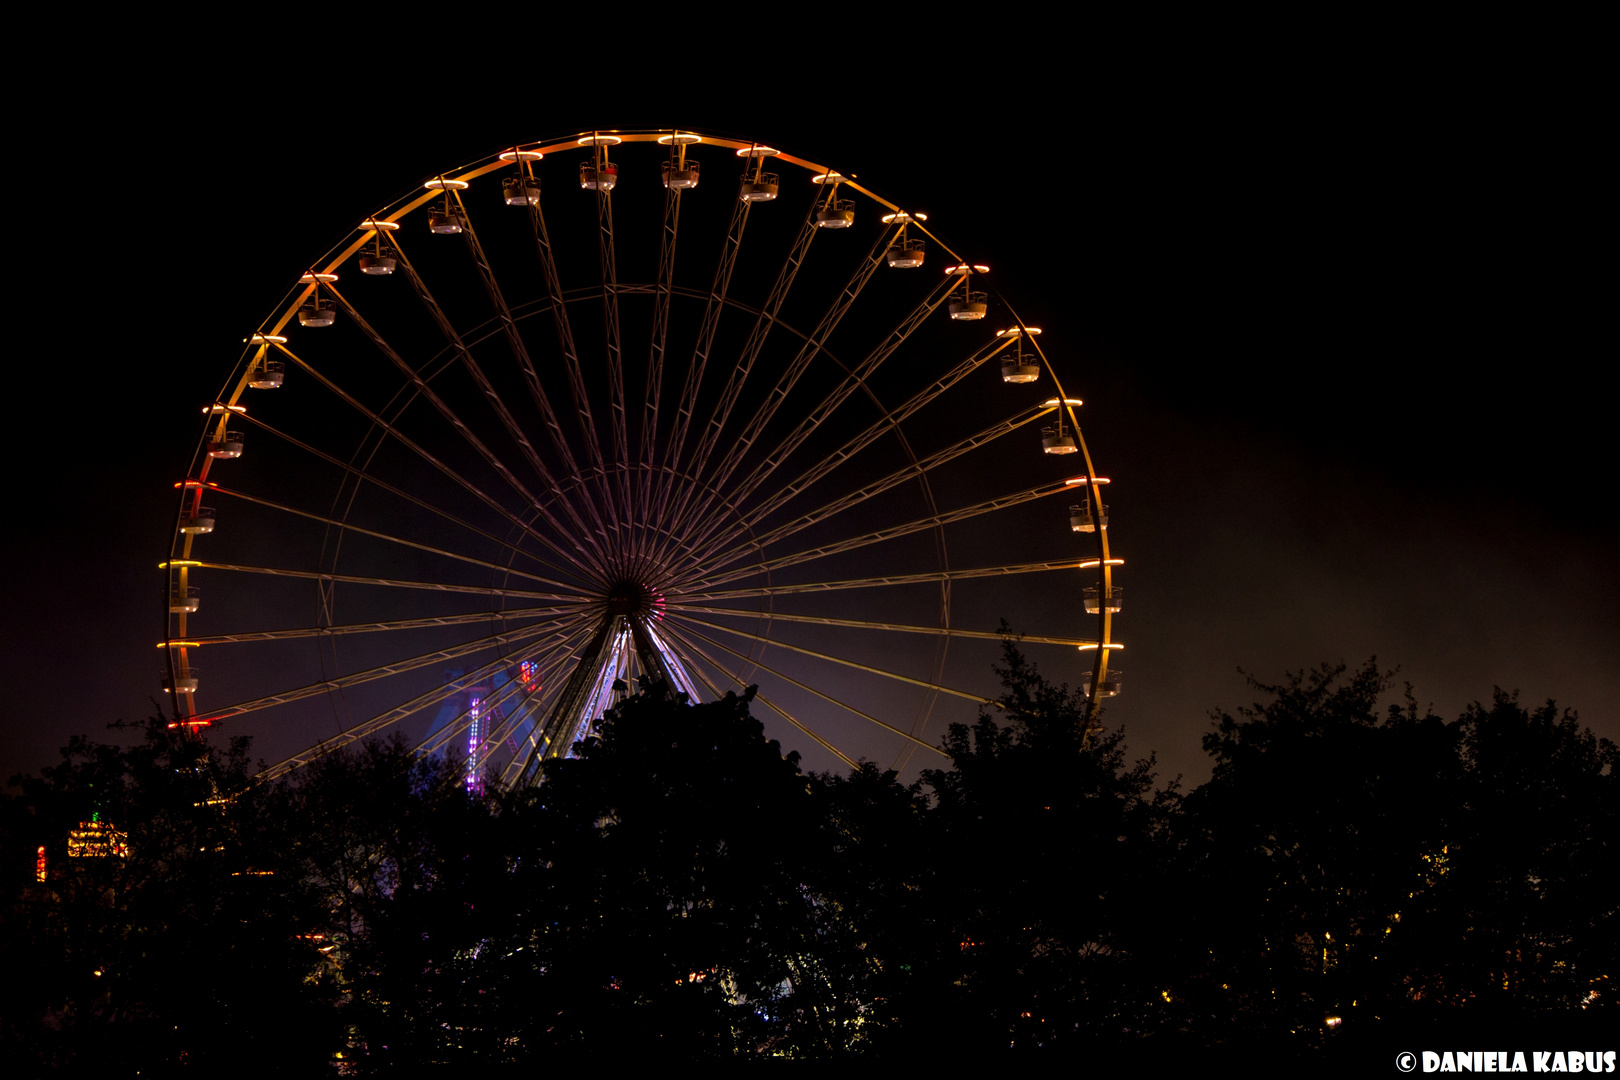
[(1333, 320)]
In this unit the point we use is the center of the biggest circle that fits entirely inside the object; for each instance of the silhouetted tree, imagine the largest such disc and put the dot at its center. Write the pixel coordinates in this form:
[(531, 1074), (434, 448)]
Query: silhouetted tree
[(1352, 866), (183, 949), (679, 891), (1048, 845)]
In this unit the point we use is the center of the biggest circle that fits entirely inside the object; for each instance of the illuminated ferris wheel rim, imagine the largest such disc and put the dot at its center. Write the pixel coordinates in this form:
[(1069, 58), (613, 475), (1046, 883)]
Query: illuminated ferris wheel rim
[(270, 339)]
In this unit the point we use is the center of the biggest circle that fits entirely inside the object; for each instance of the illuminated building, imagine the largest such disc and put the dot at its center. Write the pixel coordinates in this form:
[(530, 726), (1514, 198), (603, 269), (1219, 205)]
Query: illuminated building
[(94, 839)]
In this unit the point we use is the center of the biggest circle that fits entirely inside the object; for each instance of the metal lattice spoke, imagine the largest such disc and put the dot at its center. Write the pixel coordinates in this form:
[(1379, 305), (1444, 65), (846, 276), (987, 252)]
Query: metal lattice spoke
[(761, 330), (862, 624), (571, 366), (377, 535), (824, 697), (374, 724), (866, 437), (701, 348), (421, 504), (509, 614), (659, 339), (520, 352), (882, 581), (716, 558), (878, 536), (853, 382), (685, 619), (796, 368), (391, 583), (770, 704), (343, 682), (419, 451), (449, 414)]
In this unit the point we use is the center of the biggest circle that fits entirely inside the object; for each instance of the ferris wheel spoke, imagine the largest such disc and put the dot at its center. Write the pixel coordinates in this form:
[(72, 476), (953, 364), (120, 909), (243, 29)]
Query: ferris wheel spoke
[(853, 381), (491, 395), (373, 724), (965, 513), (659, 339), (508, 614), (711, 557), (763, 324), (545, 667), (451, 474), (571, 365), (685, 620), (514, 341), (558, 661), (808, 351), (568, 714), (392, 583), (382, 671), (890, 422), (812, 690), (361, 474), (438, 696), (701, 347), (377, 535), (607, 256), (766, 701), (689, 658), (860, 624), (927, 577), (457, 725)]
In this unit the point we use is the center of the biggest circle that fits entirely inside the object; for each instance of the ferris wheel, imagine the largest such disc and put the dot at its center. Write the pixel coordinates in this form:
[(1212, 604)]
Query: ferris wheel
[(535, 435)]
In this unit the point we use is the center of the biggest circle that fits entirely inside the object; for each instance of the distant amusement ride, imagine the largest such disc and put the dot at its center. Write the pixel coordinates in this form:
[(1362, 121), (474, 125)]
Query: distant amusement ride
[(502, 457)]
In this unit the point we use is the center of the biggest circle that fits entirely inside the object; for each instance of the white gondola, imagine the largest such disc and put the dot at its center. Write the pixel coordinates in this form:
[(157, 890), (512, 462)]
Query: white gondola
[(594, 177), (197, 522), (377, 264), (267, 375), (228, 446), (1094, 601), (906, 254), (762, 188), (445, 221), (1082, 520), (839, 215), (316, 313), (184, 601), (1054, 440), (1019, 369), (681, 176), (183, 681), (521, 190), (1110, 685), (975, 305)]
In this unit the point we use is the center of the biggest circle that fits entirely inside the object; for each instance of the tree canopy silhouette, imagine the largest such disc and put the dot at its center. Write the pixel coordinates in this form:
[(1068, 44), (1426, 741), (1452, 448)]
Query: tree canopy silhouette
[(679, 890)]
